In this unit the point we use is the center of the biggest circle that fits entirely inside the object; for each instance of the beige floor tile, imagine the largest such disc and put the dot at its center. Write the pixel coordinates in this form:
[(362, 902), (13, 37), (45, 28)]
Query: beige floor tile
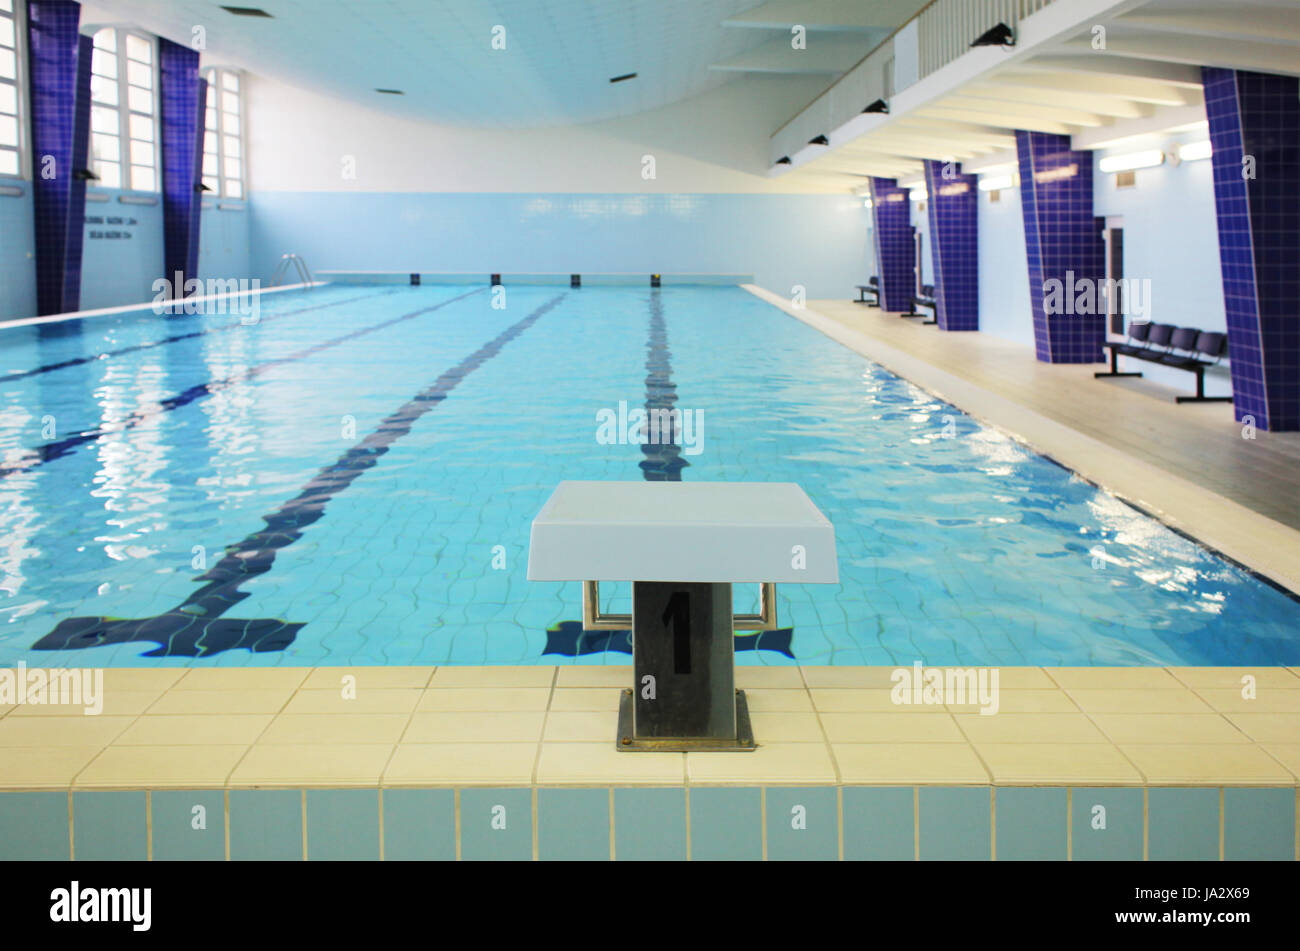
[(594, 675), (1113, 678), (1217, 763), (367, 678), (502, 699), (827, 677), (494, 677), (181, 702), (758, 698), (243, 678), (160, 766), (844, 700), (1024, 678), (461, 764), (334, 729), (771, 763), (1024, 701), (585, 700), (1288, 754), (141, 678), (1266, 700), (1139, 701), (116, 703), (344, 764), (5, 708), (908, 763), (1268, 727), (366, 701), (769, 678), (61, 731), (1230, 678), (786, 726), (1126, 728), (895, 728), (581, 726), (475, 727), (43, 767), (1029, 728), (200, 729), (601, 764), (1050, 764)]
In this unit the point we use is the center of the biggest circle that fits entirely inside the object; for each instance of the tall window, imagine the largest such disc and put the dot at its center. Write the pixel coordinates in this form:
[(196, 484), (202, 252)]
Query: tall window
[(11, 100), (124, 111), (223, 140)]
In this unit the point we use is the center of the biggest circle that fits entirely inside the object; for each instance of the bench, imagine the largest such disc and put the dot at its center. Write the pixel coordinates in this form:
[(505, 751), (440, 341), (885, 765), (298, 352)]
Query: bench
[(925, 299), (1183, 348), (872, 287)]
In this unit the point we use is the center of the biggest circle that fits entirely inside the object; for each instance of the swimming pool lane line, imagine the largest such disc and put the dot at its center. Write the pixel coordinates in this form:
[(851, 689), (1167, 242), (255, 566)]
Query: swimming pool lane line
[(50, 367), (48, 452), (663, 462), (195, 627)]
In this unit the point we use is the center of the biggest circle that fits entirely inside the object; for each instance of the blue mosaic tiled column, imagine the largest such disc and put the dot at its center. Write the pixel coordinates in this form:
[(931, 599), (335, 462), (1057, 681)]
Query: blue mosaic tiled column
[(1062, 242), (892, 237), (1258, 115), (183, 97), (58, 197), (954, 246)]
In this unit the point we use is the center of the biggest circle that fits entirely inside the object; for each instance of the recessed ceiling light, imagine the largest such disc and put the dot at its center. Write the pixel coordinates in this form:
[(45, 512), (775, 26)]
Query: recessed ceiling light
[(248, 12), (391, 92), (619, 79)]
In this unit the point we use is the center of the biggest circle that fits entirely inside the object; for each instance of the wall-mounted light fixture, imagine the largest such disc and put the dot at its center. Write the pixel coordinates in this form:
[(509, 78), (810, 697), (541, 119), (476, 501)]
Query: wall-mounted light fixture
[(784, 160), (866, 203), (878, 107), (1000, 35), (1148, 158), (819, 140), (1194, 151)]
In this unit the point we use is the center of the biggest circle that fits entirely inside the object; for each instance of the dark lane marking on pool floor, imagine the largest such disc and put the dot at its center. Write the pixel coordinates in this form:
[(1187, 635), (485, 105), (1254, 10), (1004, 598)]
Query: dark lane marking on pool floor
[(195, 627), (63, 447), (135, 348)]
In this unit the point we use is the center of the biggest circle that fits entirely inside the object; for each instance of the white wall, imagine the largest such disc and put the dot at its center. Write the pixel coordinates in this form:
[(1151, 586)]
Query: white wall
[(716, 142), (1005, 309)]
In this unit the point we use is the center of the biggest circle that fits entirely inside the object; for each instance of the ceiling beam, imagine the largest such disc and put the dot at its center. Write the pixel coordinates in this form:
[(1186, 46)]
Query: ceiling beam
[(1138, 90), (828, 55), (883, 16), (1109, 64), (1000, 119), (1115, 106), (1201, 51), (1260, 23), (1018, 108)]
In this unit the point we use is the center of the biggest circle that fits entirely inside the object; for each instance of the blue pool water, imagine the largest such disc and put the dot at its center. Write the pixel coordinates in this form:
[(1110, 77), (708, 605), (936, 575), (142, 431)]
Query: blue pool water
[(351, 480)]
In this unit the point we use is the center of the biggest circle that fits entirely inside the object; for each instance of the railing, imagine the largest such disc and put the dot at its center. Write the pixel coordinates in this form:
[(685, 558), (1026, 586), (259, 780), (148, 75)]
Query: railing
[(945, 28), (299, 265)]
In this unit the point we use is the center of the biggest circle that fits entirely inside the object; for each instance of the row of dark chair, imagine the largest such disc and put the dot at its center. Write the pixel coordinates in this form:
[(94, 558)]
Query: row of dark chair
[(872, 287), (1183, 348), (925, 299)]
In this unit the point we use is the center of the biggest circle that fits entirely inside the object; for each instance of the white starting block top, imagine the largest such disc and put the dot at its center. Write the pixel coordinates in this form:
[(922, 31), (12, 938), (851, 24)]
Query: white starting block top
[(682, 531)]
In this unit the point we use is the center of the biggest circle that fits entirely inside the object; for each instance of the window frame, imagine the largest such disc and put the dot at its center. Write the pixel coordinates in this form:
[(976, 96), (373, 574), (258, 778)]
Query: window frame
[(125, 141), (216, 87), (17, 16)]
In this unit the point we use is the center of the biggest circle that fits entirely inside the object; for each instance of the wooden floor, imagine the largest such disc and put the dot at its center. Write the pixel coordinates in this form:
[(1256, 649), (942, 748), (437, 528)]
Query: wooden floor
[(1188, 464), (1199, 442)]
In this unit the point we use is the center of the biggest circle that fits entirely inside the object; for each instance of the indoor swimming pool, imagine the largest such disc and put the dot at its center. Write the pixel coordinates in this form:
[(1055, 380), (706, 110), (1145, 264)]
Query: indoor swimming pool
[(350, 480)]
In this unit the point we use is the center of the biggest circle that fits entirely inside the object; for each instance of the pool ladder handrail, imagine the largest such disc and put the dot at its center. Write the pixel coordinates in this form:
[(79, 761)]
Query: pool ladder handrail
[(299, 265)]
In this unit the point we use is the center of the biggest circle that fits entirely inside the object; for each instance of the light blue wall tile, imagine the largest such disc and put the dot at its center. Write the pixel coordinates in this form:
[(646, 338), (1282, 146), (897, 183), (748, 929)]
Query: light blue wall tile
[(173, 821), (419, 825), (496, 824), (879, 823), (121, 270), (1182, 824), (343, 825), (109, 826), (817, 241), (1259, 824), (650, 825), (223, 243), (802, 824), (573, 825), (1106, 824), (726, 824), (1031, 824), (265, 824), (17, 254), (954, 823), (34, 826)]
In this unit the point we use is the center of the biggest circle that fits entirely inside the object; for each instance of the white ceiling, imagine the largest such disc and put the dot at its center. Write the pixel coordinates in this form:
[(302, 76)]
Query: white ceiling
[(559, 56)]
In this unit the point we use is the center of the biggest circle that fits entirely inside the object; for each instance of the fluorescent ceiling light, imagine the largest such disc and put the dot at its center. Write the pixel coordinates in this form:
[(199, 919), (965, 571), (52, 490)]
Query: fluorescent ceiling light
[(1132, 160), (913, 184), (918, 194), (993, 183), (1193, 151), (1008, 168)]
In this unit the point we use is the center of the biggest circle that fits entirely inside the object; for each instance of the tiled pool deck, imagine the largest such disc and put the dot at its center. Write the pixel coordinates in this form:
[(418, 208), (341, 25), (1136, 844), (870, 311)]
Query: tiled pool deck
[(519, 762)]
